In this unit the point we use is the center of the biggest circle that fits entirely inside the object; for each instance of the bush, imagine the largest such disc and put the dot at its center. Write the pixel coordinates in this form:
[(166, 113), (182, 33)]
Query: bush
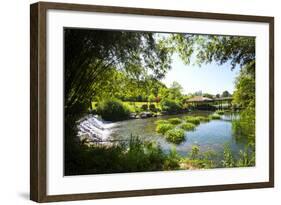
[(193, 120), (170, 106), (174, 121), (113, 110), (228, 159), (152, 108), (187, 126), (175, 136), (194, 152), (163, 128), (215, 116), (172, 160), (144, 107)]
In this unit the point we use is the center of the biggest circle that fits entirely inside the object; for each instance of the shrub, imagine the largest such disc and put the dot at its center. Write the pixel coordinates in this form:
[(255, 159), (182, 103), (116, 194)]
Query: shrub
[(113, 110), (144, 107), (194, 152), (175, 135), (215, 116), (193, 120), (187, 126), (246, 158), (174, 121), (163, 128), (170, 106), (228, 159), (172, 160), (152, 107)]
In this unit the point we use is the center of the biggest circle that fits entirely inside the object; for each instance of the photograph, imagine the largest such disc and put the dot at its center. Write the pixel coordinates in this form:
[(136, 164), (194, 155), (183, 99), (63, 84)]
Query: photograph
[(142, 101)]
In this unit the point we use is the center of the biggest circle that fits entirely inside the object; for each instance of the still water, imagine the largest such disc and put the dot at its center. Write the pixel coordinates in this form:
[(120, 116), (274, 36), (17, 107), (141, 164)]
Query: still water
[(212, 135)]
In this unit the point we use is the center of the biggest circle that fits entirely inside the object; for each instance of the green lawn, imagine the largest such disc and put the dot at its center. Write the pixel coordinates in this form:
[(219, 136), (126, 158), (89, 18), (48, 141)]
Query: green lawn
[(132, 105)]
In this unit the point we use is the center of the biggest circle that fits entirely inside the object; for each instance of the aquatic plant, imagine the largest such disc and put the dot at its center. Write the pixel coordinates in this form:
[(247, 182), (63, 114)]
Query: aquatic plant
[(203, 118), (228, 160), (172, 160), (175, 135), (246, 158), (164, 127), (194, 152), (192, 119), (187, 126), (220, 112), (162, 122), (215, 116), (175, 121)]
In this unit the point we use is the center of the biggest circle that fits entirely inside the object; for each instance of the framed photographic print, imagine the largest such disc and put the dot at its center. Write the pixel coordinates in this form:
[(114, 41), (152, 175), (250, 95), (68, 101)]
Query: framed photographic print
[(134, 102)]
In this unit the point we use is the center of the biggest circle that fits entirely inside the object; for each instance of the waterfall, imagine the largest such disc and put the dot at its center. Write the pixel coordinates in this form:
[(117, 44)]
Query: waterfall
[(94, 128)]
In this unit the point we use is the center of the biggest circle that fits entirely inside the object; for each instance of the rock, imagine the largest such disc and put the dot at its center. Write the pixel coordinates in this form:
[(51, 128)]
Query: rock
[(133, 115), (146, 114)]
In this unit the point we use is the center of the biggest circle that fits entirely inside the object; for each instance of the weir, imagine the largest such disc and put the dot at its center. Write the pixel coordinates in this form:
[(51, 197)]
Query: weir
[(94, 128)]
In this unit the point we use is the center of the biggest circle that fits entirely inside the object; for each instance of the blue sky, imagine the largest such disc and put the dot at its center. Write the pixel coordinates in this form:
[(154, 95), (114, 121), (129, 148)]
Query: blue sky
[(209, 78)]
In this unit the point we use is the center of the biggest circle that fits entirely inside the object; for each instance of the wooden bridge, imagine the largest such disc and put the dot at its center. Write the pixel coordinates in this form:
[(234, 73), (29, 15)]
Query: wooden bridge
[(219, 103)]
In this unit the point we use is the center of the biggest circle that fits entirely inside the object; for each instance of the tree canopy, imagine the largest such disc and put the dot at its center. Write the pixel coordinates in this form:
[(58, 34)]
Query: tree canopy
[(90, 55)]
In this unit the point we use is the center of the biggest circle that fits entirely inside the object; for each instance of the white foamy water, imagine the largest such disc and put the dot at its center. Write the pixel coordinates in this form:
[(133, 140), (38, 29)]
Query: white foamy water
[(95, 128)]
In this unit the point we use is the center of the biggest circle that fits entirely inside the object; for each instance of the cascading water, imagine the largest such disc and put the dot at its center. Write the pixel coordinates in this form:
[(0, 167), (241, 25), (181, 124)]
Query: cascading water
[(94, 128)]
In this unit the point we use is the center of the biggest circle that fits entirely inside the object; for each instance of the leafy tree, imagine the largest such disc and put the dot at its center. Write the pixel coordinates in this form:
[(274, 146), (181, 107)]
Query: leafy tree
[(225, 94), (175, 91), (91, 54), (170, 106), (208, 95), (239, 52)]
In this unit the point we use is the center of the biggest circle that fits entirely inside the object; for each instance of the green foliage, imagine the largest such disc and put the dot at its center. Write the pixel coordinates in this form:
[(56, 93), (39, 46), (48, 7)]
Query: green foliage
[(203, 118), (113, 110), (215, 116), (175, 135), (192, 119), (172, 160), (162, 122), (225, 94), (220, 112), (246, 158), (209, 159), (244, 94), (175, 91), (163, 128), (134, 157), (228, 160), (175, 121), (144, 107), (92, 55), (194, 152), (187, 126), (170, 106), (152, 108), (208, 95)]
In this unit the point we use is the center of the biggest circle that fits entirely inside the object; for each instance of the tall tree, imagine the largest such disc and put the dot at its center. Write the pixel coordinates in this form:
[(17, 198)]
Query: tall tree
[(89, 55)]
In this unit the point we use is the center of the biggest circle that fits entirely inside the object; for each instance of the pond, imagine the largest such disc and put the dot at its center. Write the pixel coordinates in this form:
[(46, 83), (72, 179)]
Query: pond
[(208, 136), (212, 135)]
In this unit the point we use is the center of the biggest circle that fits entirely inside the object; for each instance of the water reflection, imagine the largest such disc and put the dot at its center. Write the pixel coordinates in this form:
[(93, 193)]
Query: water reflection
[(211, 135)]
